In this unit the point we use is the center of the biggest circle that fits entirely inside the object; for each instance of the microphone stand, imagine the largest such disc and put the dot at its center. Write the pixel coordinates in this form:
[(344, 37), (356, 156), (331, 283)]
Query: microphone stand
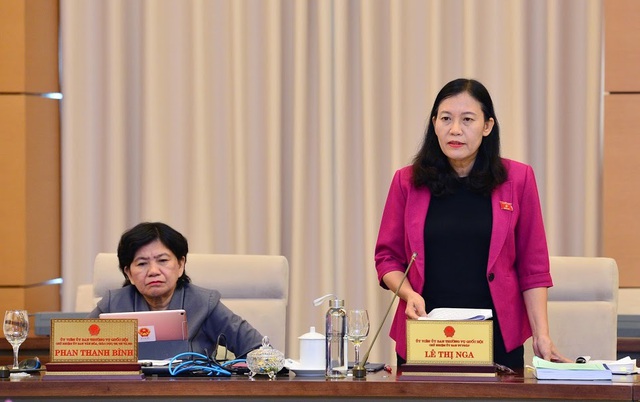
[(359, 371)]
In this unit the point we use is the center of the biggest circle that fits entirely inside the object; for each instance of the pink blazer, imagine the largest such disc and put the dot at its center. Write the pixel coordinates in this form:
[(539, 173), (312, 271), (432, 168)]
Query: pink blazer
[(518, 255)]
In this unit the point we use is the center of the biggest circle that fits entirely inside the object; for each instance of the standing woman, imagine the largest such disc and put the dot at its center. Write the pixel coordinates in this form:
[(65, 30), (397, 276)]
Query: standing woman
[(475, 221)]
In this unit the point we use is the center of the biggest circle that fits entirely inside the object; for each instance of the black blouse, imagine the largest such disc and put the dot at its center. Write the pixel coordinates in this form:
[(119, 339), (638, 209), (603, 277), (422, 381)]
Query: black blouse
[(457, 234)]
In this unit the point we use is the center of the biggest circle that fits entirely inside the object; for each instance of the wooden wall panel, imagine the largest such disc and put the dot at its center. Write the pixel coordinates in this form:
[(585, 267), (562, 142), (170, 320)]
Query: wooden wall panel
[(29, 46), (42, 298), (41, 62), (621, 186), (30, 179), (622, 45), (29, 155), (13, 205), (33, 299), (12, 298), (12, 47), (43, 193)]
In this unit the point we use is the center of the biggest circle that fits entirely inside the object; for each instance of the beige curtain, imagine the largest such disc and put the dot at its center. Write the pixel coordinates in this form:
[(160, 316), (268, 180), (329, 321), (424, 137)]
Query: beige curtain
[(274, 126)]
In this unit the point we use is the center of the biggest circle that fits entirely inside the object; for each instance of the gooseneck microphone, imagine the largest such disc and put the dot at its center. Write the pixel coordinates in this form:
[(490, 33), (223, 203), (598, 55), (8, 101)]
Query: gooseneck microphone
[(359, 370)]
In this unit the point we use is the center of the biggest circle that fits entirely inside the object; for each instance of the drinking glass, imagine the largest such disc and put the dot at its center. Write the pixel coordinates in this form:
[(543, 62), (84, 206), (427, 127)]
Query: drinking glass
[(16, 328), (357, 330)]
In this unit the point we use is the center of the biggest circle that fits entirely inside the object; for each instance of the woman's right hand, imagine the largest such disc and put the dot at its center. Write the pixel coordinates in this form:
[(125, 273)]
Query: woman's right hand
[(415, 302), (415, 306)]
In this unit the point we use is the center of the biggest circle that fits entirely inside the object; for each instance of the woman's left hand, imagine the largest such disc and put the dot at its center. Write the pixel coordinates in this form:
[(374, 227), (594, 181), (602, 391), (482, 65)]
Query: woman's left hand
[(544, 348)]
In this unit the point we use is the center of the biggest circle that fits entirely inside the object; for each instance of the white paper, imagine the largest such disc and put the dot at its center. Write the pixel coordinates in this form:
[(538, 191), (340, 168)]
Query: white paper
[(622, 366), (458, 314)]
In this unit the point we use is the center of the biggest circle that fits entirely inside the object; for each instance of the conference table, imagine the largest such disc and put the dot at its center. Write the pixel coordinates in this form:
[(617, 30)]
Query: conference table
[(381, 386)]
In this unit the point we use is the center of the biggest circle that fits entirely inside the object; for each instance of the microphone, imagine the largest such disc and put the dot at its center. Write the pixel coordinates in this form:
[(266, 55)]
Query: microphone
[(359, 371)]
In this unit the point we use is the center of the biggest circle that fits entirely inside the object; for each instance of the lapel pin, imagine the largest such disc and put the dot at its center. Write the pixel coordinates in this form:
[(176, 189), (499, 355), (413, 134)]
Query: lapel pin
[(507, 206)]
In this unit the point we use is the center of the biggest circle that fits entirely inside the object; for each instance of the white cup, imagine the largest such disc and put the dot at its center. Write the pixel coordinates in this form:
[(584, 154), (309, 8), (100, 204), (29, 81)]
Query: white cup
[(312, 350)]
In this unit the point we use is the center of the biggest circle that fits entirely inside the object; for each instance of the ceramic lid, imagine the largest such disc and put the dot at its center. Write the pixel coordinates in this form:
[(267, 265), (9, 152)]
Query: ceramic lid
[(312, 334)]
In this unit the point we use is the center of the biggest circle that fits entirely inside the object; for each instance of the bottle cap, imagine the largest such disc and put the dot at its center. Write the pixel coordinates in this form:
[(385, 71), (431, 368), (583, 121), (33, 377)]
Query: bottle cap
[(336, 303)]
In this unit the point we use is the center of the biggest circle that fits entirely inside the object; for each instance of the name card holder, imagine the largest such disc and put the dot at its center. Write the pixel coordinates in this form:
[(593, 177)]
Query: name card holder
[(438, 348), (94, 340), (83, 349)]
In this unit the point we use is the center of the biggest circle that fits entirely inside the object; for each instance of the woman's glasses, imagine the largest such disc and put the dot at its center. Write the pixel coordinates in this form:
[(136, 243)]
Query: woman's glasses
[(29, 364), (25, 365)]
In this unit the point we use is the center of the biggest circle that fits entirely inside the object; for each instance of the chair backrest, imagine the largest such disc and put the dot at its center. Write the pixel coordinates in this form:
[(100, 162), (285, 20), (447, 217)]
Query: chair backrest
[(256, 287), (583, 307)]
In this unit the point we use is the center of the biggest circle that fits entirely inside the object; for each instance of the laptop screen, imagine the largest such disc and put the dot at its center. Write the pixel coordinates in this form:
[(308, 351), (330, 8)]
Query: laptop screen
[(162, 325)]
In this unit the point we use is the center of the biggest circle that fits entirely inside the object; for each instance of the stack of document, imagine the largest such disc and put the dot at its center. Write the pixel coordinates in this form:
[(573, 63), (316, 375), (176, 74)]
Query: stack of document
[(546, 370), (622, 366)]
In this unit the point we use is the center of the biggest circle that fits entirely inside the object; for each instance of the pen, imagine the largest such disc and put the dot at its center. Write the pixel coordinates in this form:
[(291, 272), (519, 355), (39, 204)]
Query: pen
[(504, 369)]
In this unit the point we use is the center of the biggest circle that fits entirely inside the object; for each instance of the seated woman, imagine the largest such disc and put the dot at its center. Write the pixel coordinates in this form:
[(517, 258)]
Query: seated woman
[(152, 257)]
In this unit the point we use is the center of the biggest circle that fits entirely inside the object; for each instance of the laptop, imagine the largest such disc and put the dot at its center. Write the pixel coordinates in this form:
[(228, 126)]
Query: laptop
[(161, 325)]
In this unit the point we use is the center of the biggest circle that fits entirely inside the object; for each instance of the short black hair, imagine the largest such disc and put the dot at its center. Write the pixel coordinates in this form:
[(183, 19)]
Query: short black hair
[(145, 233)]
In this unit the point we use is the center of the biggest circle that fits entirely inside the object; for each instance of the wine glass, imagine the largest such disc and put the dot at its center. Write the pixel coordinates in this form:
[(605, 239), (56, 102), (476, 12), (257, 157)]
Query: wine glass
[(16, 328), (357, 330)]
